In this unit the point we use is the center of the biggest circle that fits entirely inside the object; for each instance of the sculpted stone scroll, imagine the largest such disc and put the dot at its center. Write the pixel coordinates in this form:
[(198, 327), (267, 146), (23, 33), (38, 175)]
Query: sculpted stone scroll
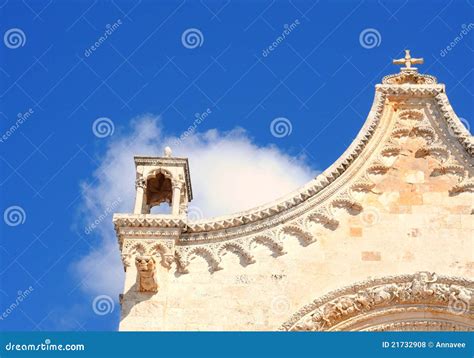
[(407, 293)]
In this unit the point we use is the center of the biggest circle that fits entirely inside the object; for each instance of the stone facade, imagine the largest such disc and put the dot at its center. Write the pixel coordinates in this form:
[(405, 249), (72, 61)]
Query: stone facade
[(381, 240)]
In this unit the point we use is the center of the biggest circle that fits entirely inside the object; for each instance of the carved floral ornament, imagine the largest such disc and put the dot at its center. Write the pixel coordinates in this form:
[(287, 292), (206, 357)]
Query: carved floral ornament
[(163, 250), (394, 298)]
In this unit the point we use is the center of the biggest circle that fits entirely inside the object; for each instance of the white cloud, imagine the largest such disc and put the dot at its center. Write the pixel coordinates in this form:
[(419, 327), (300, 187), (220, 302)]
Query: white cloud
[(229, 173)]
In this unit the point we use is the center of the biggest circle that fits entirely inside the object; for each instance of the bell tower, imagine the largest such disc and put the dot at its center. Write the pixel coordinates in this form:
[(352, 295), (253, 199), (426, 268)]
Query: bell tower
[(162, 180)]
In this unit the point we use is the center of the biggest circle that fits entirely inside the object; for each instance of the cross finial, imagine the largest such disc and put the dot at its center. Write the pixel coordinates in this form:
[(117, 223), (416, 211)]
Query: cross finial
[(408, 61)]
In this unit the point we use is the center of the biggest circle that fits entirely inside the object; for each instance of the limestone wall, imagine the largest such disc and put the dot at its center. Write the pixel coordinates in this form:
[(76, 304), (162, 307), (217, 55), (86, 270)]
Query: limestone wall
[(410, 222), (399, 201)]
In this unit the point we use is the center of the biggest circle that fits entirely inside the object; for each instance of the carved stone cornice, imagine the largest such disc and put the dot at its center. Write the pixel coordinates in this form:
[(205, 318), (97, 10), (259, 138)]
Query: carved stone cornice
[(457, 129), (396, 294), (324, 180), (408, 111), (292, 200)]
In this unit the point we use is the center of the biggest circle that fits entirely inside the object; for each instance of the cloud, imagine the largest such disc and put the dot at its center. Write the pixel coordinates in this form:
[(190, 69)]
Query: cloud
[(229, 173)]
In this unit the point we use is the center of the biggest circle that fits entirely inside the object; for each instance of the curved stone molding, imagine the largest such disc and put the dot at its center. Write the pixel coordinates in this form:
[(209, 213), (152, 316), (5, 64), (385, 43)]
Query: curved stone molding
[(457, 128), (466, 185), (332, 173), (418, 109), (238, 249), (422, 325), (185, 254), (394, 297), (213, 252), (290, 201), (274, 244), (411, 114), (412, 77), (435, 150), (298, 232), (322, 217)]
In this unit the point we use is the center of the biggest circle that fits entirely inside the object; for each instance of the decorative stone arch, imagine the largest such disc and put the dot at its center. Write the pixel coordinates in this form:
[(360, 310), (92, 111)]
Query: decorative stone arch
[(159, 187), (159, 249), (302, 235), (185, 256), (238, 249), (421, 301), (154, 172), (131, 250), (273, 244)]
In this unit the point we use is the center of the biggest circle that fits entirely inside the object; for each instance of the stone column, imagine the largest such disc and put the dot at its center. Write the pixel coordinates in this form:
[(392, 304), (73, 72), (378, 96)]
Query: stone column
[(140, 199), (175, 201)]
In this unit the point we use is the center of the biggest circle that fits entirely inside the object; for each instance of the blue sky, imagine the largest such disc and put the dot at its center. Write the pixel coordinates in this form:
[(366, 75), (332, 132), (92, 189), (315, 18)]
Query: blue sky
[(150, 83)]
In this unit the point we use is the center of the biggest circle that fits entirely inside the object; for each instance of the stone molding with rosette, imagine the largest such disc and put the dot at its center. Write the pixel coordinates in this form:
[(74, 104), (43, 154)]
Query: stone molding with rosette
[(384, 303)]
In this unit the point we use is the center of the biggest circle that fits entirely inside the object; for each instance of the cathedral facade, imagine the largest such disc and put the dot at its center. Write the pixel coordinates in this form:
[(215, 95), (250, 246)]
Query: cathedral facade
[(381, 240)]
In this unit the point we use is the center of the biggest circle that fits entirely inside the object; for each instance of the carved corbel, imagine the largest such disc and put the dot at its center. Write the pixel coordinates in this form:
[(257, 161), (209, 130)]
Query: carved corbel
[(146, 269)]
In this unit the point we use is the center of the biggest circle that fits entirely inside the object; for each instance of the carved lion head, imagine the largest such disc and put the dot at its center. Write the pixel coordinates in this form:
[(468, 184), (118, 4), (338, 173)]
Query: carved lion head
[(145, 263)]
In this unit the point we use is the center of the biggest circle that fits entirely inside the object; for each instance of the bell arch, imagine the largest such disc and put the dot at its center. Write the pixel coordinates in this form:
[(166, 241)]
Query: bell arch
[(159, 188)]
